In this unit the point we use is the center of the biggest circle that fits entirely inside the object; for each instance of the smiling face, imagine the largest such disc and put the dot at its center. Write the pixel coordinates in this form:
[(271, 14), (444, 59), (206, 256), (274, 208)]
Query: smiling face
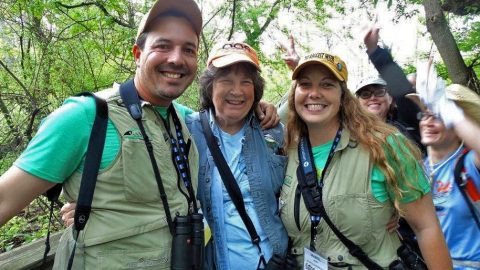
[(233, 96), (434, 133), (167, 64), (317, 97), (378, 101)]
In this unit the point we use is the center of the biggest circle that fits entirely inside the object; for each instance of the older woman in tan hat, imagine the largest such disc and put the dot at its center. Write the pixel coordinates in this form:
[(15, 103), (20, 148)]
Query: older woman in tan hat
[(239, 187), (349, 172)]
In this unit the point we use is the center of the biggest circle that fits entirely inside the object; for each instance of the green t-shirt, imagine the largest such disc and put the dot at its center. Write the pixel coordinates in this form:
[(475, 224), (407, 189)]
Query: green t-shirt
[(381, 191), (58, 149)]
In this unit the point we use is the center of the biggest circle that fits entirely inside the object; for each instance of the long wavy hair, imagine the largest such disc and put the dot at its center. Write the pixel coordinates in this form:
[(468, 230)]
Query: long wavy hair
[(370, 133)]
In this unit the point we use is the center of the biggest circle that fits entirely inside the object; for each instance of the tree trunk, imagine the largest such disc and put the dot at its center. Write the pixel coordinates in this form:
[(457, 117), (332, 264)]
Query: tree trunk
[(442, 36)]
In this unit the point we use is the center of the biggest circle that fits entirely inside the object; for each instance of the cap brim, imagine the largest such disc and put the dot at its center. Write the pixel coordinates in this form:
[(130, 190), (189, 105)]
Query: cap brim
[(186, 7), (312, 62), (231, 59), (416, 99), (373, 82), (466, 99)]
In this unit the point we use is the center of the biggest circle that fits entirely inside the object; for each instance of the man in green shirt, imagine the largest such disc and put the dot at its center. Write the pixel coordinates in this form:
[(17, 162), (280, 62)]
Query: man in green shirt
[(128, 227)]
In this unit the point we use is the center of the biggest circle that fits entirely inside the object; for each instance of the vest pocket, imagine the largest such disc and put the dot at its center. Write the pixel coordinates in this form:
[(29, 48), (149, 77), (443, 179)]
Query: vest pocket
[(139, 180), (352, 216), (158, 258)]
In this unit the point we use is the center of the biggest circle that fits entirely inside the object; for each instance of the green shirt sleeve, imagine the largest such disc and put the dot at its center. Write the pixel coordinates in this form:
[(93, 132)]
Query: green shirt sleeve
[(60, 143), (418, 184)]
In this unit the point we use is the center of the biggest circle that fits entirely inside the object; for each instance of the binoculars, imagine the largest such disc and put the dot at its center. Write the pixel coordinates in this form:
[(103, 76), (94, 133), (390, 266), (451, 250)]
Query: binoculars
[(281, 263), (409, 260), (188, 242)]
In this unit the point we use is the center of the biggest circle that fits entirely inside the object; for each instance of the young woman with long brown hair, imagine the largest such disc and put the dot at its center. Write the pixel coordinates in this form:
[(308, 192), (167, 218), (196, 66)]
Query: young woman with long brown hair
[(365, 172)]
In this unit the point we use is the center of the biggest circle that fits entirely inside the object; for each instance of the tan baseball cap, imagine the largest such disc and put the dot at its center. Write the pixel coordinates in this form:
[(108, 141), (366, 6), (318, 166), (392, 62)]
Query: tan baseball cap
[(332, 62), (233, 52), (188, 8)]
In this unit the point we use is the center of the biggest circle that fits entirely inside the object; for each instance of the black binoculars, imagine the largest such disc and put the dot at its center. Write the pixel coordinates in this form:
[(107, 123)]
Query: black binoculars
[(279, 262), (409, 260), (188, 242)]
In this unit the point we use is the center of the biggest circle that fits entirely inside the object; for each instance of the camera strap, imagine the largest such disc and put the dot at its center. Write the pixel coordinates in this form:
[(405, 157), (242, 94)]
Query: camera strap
[(467, 187), (230, 183), (311, 190), (130, 98)]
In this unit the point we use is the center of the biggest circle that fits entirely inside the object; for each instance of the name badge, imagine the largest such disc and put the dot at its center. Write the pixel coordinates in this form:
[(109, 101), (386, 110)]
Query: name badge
[(313, 261)]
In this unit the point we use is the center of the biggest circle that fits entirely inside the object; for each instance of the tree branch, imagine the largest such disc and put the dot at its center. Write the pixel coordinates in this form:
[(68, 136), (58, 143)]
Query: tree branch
[(17, 80), (233, 19), (271, 16), (439, 29), (101, 7)]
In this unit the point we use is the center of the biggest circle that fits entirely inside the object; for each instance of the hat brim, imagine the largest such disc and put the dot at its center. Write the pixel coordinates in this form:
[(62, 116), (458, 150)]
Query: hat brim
[(372, 82), (230, 59), (416, 99), (313, 62), (186, 7), (466, 99)]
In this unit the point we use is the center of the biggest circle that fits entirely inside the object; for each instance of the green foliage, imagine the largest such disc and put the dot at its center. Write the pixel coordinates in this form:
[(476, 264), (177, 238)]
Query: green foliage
[(30, 225)]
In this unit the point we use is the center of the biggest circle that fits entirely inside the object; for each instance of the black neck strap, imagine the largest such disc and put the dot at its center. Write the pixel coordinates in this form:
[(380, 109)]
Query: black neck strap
[(312, 196), (309, 184), (230, 183), (131, 100)]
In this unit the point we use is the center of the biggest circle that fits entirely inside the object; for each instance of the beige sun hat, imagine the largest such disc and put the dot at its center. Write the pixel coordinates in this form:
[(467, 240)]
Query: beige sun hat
[(466, 99), (463, 96), (416, 99), (234, 52)]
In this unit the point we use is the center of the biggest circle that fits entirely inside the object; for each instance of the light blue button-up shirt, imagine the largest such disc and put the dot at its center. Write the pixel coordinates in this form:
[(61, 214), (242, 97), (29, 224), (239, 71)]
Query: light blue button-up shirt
[(260, 172)]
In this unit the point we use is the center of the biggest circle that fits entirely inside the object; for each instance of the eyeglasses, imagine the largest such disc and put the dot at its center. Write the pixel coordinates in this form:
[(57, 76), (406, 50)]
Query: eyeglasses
[(367, 93), (424, 116), (238, 46)]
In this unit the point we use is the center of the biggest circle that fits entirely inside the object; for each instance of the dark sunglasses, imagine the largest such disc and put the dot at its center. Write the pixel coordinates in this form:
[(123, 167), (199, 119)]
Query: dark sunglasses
[(424, 116), (367, 93)]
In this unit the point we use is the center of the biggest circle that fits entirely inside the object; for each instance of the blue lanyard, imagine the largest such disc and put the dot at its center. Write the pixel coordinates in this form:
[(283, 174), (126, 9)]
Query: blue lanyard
[(310, 175), (180, 153)]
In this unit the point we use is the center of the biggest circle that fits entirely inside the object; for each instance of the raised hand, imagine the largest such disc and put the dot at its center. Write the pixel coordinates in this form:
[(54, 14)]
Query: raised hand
[(371, 39), (291, 57)]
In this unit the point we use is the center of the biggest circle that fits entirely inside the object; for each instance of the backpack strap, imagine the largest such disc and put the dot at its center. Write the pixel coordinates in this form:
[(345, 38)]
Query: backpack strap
[(462, 181), (90, 170)]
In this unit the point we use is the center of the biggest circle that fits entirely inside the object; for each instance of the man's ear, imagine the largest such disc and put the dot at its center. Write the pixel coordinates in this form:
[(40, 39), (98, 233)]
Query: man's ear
[(136, 54)]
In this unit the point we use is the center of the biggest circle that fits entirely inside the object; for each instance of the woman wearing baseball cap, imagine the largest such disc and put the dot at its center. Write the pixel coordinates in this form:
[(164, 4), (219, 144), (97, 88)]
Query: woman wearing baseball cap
[(359, 168), (240, 198)]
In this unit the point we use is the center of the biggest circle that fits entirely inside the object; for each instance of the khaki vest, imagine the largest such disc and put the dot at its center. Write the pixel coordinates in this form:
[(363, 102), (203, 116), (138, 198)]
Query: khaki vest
[(127, 228), (350, 204)]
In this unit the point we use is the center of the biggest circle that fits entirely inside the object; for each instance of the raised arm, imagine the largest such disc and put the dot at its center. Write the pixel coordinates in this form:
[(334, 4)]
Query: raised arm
[(398, 85), (420, 215), (468, 131), (389, 70), (17, 189)]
